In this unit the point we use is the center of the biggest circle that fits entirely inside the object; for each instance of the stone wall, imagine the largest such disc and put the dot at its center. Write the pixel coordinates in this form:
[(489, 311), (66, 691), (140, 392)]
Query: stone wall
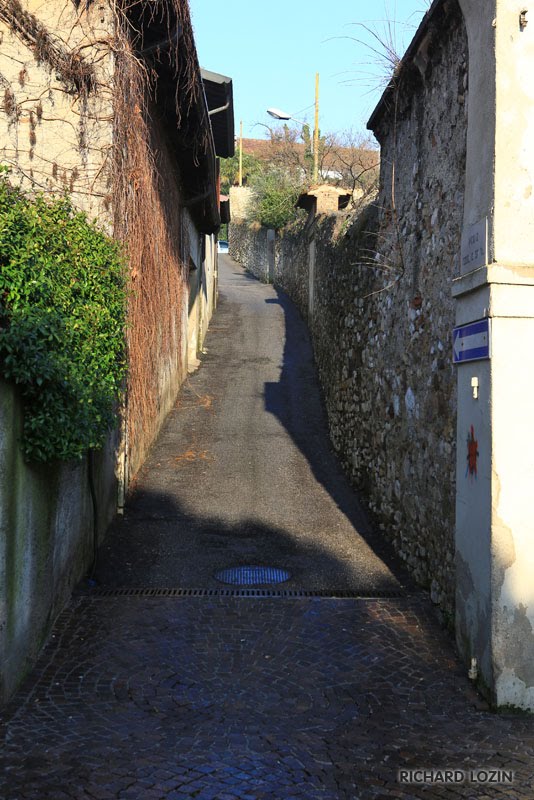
[(60, 136), (54, 139), (381, 312), (248, 245)]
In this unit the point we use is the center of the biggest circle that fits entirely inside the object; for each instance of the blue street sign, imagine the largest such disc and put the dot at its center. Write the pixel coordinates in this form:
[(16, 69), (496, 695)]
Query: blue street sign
[(471, 342)]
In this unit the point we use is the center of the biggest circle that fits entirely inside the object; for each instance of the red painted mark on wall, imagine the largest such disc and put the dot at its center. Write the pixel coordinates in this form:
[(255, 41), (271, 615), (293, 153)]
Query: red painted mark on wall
[(472, 454)]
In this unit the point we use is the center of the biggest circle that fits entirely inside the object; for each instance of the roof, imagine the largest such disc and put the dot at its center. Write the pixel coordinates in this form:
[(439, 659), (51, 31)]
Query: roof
[(331, 159), (219, 98), (330, 195), (166, 42), (326, 188)]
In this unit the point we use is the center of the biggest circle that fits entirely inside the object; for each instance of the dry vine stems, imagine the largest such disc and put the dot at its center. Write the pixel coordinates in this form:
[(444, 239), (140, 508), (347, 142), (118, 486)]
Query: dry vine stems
[(148, 217), (74, 70), (154, 63)]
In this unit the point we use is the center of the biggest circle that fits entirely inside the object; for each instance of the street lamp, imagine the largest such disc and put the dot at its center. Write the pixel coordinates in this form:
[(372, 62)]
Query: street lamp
[(277, 114)]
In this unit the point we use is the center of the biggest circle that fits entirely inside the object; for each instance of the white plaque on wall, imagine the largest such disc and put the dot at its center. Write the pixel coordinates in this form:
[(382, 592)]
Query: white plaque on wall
[(475, 246)]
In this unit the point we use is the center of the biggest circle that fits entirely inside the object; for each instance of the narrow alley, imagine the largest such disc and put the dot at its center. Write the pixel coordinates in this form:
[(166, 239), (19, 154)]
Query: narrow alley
[(319, 674)]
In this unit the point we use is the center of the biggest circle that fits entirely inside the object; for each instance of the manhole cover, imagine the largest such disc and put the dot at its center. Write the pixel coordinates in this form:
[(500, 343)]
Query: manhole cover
[(252, 576)]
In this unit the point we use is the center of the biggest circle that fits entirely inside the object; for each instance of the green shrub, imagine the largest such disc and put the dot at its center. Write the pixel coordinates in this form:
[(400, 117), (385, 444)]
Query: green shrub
[(274, 194), (62, 318)]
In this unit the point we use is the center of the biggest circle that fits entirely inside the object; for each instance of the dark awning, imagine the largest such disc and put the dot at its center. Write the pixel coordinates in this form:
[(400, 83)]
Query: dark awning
[(219, 97)]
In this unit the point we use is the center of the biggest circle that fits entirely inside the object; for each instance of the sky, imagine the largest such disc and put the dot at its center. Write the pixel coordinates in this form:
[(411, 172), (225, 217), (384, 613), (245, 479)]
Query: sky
[(272, 49)]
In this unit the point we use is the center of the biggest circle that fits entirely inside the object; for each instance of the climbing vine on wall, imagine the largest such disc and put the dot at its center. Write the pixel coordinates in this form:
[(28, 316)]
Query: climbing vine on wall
[(73, 69), (62, 317), (146, 197)]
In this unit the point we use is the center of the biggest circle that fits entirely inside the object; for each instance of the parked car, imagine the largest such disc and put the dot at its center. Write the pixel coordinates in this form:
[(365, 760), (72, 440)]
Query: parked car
[(222, 246)]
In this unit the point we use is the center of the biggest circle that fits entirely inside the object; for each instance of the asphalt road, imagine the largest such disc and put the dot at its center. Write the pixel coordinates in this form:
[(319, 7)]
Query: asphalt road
[(243, 472)]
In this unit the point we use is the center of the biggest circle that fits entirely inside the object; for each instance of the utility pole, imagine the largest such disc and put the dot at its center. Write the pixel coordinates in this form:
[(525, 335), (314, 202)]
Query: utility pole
[(241, 153), (316, 132)]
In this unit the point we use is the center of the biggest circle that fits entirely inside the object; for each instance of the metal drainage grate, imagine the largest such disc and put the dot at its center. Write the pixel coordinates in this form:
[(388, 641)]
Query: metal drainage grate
[(252, 576), (355, 594)]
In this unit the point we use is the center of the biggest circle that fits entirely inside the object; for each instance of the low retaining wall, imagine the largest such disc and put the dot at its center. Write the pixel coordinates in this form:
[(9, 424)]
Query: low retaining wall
[(46, 539)]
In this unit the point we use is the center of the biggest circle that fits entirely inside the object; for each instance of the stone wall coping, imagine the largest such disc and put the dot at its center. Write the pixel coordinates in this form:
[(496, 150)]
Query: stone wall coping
[(521, 275)]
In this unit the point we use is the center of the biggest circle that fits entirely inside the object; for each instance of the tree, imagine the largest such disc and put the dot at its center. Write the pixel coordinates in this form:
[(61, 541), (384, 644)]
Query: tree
[(275, 192), (230, 170), (292, 149), (346, 159), (282, 168), (350, 160)]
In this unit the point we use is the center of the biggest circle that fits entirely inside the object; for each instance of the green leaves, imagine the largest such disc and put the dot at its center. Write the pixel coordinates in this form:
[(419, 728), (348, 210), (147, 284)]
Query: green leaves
[(62, 317), (275, 193), (230, 170)]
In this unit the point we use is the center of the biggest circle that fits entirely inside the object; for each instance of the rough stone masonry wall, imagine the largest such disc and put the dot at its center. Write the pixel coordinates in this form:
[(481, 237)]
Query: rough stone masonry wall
[(383, 315), (248, 245)]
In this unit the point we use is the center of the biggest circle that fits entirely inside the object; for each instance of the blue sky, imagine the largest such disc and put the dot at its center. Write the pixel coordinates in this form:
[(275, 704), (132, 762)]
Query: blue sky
[(273, 49)]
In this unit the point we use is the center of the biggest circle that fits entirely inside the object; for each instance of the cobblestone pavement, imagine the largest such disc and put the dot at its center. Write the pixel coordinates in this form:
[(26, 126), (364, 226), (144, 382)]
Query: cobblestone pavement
[(164, 696), (233, 698)]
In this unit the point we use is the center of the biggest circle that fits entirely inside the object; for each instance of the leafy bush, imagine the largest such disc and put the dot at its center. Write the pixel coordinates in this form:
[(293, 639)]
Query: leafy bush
[(275, 192), (62, 317)]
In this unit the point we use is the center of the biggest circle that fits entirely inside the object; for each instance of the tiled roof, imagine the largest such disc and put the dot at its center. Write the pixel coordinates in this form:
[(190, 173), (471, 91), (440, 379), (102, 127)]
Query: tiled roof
[(267, 149)]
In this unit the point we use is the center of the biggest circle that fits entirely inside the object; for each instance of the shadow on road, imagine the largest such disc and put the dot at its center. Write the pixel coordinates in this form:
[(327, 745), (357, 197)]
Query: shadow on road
[(296, 401), (158, 543), (226, 485)]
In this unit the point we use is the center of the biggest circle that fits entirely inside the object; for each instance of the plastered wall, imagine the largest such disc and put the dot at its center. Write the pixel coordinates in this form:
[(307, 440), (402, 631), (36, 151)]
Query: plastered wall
[(60, 139), (46, 538), (54, 138)]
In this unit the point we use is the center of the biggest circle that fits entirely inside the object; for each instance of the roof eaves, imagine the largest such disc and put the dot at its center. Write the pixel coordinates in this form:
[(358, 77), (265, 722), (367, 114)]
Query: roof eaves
[(184, 112), (220, 102)]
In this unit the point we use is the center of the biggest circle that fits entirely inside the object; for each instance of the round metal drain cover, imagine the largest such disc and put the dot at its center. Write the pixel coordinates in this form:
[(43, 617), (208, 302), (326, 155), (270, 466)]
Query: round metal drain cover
[(252, 576)]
